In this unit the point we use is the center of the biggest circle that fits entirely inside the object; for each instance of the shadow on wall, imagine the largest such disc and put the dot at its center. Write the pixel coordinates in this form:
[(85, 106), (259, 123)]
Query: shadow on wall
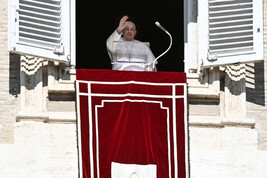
[(30, 70), (14, 74), (255, 83)]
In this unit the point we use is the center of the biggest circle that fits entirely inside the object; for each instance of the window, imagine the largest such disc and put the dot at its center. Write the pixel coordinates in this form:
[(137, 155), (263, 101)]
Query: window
[(40, 28), (94, 29), (230, 31)]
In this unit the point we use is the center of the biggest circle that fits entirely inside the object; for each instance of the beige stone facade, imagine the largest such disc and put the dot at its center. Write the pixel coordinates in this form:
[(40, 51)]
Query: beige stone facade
[(38, 133), (227, 130)]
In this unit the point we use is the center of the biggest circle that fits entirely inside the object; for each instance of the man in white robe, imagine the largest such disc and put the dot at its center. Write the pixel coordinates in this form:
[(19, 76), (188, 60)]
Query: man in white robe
[(125, 52)]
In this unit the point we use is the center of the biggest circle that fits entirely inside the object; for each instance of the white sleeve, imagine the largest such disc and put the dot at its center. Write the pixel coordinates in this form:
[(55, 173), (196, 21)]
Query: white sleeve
[(150, 56), (115, 36)]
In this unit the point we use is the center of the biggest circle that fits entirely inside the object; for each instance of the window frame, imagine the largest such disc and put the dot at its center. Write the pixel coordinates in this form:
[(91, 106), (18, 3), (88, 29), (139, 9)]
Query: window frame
[(257, 54), (196, 38), (67, 29)]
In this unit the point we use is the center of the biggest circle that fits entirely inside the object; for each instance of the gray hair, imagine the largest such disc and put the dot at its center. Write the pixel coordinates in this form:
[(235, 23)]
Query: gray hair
[(131, 23)]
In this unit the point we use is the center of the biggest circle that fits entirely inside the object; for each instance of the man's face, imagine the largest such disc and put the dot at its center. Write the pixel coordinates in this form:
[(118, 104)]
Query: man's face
[(129, 32)]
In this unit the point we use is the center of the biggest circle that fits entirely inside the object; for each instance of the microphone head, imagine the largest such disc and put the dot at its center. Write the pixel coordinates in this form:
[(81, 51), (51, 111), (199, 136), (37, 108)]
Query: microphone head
[(157, 23)]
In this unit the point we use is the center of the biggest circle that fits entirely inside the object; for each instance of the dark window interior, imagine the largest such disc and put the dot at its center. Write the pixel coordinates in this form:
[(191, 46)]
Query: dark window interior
[(96, 20)]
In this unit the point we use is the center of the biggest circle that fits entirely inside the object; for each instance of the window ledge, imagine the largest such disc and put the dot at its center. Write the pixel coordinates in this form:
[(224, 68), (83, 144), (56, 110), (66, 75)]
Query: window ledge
[(210, 121), (47, 117), (203, 95), (192, 75), (60, 89)]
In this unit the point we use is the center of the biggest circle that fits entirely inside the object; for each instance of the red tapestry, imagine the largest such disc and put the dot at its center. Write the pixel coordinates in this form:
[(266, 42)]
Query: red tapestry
[(132, 118)]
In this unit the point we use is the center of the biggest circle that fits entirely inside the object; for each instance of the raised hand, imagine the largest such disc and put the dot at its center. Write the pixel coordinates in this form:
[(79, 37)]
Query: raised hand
[(122, 24)]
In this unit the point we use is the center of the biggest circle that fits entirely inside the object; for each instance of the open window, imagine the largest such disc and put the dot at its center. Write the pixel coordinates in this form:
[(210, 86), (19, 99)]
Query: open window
[(93, 29), (229, 31), (40, 28)]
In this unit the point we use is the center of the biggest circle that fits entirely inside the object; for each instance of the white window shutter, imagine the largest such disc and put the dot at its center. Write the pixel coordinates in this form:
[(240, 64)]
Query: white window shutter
[(40, 28), (230, 31)]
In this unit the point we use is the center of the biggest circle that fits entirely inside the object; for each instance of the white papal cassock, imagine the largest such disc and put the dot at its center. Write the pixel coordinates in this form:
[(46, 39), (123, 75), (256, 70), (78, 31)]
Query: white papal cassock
[(131, 56)]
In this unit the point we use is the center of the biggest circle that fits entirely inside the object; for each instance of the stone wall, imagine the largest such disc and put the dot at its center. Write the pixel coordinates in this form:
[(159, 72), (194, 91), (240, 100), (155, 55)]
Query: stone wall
[(38, 132), (9, 82), (256, 87), (40, 150), (233, 142)]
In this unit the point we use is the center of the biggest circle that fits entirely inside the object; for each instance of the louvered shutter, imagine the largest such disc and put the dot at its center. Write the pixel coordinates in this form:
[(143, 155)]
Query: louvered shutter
[(40, 28), (230, 31)]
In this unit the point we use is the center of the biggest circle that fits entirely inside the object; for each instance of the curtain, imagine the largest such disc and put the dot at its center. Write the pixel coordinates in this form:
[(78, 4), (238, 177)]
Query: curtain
[(128, 117)]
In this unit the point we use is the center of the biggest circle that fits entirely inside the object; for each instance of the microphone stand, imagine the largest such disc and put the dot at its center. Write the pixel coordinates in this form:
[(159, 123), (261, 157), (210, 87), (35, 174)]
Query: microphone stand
[(163, 29)]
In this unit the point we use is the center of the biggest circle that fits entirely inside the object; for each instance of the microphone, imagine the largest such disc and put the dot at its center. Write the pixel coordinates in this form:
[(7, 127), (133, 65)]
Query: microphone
[(163, 29)]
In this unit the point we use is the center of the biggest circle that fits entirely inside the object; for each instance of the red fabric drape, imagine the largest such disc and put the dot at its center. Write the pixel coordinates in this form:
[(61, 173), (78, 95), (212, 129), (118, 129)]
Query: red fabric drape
[(132, 118)]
